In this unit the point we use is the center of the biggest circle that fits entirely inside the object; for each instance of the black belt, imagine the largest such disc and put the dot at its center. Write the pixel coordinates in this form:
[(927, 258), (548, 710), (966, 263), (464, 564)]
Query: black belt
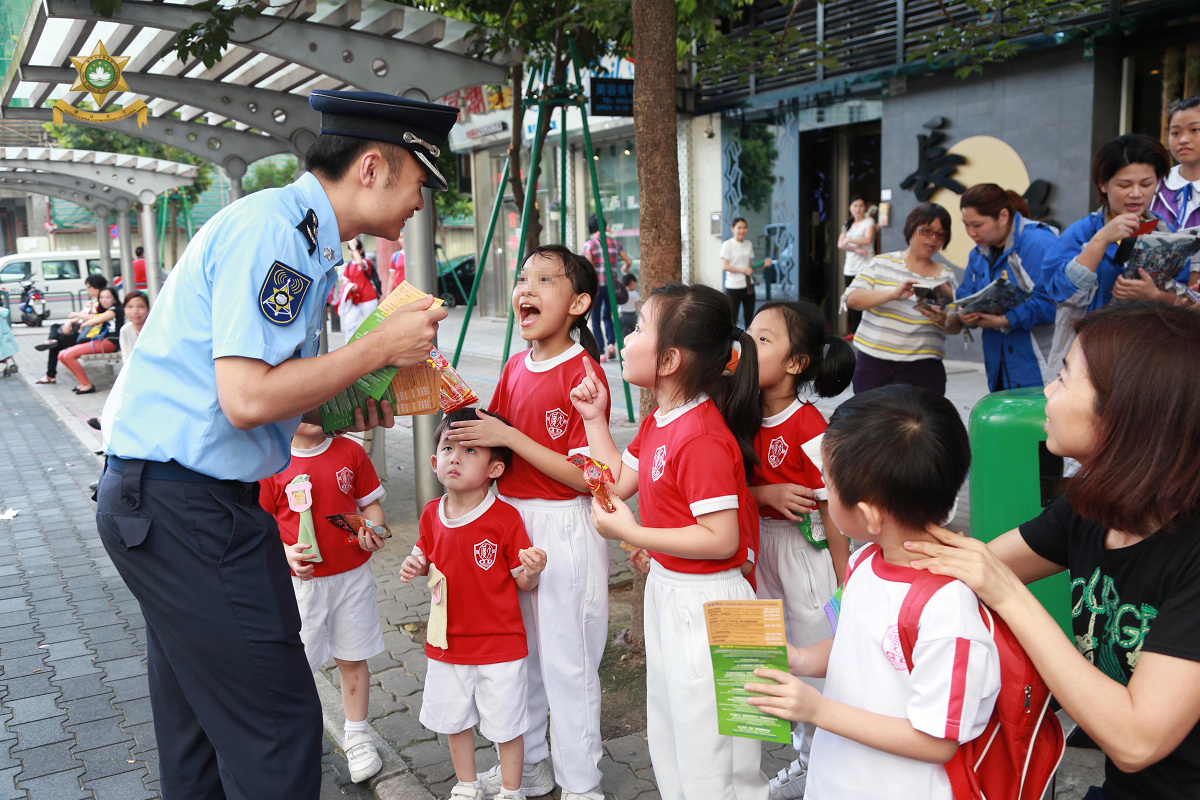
[(163, 471)]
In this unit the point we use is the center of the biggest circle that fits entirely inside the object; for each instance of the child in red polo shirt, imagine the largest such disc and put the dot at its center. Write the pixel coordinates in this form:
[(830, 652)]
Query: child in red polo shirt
[(475, 549), (336, 595)]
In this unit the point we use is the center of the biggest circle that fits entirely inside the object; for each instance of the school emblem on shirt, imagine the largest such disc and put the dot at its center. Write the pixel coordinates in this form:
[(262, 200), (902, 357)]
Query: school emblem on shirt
[(660, 462), (892, 649), (282, 293), (345, 479), (485, 554), (778, 450), (556, 423)]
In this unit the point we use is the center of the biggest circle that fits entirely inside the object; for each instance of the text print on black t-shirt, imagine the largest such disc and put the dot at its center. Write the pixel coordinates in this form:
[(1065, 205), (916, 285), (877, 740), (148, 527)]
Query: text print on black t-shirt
[(1115, 631)]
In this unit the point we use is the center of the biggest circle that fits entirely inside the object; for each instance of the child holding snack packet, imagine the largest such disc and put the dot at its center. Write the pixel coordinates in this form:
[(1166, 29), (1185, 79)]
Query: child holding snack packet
[(688, 465), (335, 590), (477, 554), (885, 724), (568, 633), (802, 555)]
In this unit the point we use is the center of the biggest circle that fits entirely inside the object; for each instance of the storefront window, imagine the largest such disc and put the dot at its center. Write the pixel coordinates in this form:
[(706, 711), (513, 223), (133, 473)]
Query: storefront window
[(616, 174)]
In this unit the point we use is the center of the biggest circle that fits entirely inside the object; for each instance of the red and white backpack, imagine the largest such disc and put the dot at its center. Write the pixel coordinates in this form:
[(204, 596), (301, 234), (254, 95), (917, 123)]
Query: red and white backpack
[(1017, 754)]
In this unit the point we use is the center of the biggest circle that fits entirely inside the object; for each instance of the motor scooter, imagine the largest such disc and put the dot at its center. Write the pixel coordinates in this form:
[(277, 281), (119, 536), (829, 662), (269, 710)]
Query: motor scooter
[(33, 305)]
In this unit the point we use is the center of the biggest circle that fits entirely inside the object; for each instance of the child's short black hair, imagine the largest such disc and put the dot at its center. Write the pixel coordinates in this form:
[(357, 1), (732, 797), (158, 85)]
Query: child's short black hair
[(901, 448), (501, 454), (628, 279)]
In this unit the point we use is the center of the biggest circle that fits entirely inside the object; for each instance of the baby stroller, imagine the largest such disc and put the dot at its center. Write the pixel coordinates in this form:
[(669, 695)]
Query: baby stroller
[(8, 345)]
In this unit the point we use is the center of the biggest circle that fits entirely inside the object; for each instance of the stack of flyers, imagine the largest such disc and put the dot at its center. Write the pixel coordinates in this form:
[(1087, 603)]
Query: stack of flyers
[(1166, 258), (998, 297)]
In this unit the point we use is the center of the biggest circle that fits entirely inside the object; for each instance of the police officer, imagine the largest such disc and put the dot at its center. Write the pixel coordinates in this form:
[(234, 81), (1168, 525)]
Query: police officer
[(224, 370)]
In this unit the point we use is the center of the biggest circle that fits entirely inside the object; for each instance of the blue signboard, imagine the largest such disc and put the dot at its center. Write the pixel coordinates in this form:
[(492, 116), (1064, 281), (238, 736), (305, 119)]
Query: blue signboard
[(612, 97)]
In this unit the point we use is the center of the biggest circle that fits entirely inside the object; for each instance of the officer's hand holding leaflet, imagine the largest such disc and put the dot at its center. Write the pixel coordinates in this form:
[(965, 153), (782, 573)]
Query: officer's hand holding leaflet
[(253, 393)]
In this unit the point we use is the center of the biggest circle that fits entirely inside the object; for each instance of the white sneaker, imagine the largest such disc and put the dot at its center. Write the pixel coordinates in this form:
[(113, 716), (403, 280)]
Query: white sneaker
[(789, 783), (535, 781), (466, 791), (594, 794), (360, 752), (510, 794)]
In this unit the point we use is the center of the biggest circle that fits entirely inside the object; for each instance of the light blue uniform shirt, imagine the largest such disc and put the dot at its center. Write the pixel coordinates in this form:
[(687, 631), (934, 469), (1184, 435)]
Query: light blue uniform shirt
[(246, 286)]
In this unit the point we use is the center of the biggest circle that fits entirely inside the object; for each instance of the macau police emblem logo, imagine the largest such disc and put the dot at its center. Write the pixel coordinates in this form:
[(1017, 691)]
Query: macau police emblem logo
[(485, 554), (282, 293)]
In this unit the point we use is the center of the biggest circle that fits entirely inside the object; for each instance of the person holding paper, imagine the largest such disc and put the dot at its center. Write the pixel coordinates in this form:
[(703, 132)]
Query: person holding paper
[(688, 465), (899, 339), (887, 725), (1079, 273), (223, 373), (1011, 246)]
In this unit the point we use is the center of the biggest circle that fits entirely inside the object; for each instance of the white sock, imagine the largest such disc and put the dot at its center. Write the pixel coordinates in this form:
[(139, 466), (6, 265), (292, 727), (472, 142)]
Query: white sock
[(355, 727)]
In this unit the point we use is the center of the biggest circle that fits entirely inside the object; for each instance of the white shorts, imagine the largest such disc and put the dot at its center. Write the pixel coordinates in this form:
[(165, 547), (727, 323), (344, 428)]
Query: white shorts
[(460, 696), (339, 617)]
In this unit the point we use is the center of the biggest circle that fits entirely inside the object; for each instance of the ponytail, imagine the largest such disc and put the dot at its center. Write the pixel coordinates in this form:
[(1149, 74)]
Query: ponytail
[(834, 371), (1018, 204), (740, 403), (585, 336)]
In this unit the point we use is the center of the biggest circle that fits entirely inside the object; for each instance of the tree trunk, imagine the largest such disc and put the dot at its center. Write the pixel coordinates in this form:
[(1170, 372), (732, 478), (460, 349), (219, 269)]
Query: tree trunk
[(661, 238)]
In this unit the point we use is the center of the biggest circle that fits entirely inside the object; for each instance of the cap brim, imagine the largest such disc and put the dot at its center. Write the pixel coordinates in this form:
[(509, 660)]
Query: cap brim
[(433, 179)]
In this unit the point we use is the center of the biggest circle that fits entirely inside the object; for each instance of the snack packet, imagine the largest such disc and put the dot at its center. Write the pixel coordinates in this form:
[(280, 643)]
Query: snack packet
[(597, 476), (455, 393), (352, 522)]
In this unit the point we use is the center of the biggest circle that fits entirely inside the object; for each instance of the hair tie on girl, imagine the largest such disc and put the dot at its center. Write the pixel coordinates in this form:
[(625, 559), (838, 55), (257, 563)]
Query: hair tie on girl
[(736, 334)]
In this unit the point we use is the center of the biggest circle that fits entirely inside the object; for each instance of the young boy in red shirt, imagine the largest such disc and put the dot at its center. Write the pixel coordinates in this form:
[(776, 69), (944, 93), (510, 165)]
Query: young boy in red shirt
[(478, 554), (336, 595)]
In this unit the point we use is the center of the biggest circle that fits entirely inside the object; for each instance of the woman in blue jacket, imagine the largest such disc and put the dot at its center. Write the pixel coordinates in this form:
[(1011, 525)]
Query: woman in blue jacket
[(1079, 272), (1015, 345)]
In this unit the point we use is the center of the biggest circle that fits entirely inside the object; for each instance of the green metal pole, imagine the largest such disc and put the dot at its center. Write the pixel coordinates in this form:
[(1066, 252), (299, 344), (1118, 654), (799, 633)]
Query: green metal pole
[(187, 216), (612, 292), (480, 261), (162, 230), (527, 211), (562, 203)]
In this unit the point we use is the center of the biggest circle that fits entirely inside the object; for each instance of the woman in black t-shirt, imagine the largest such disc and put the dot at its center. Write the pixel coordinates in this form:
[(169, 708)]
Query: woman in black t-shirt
[(1126, 406)]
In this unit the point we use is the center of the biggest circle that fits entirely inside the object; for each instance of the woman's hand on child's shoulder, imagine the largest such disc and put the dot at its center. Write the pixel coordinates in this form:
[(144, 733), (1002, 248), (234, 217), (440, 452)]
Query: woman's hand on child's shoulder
[(416, 564), (788, 698), (590, 397), (298, 560), (533, 560)]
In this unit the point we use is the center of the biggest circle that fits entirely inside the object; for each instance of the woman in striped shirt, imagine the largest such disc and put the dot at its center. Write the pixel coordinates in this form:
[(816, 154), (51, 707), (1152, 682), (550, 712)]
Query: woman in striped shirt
[(898, 340)]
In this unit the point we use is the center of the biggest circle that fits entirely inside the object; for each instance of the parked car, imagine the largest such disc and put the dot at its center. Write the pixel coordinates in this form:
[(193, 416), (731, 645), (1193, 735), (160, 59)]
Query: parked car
[(59, 274)]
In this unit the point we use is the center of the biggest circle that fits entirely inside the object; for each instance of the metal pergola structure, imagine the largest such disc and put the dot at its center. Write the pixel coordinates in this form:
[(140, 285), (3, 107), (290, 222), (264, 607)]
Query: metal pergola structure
[(98, 182), (253, 102)]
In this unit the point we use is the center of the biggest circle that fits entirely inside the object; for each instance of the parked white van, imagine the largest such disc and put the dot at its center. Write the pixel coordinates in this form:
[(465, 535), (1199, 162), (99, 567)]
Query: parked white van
[(59, 274)]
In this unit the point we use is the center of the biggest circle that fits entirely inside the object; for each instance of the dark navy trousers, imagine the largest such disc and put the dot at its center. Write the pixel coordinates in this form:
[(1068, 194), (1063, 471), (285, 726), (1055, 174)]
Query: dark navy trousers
[(236, 712)]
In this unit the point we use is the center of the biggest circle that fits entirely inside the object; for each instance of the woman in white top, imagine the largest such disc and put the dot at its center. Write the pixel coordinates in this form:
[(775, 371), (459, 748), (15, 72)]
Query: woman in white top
[(137, 308), (737, 255), (858, 240)]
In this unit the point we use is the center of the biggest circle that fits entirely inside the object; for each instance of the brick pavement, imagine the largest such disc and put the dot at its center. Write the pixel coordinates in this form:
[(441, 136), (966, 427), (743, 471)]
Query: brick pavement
[(74, 704)]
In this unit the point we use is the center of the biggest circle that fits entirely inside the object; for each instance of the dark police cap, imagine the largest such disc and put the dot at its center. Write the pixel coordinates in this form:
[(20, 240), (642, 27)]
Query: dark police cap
[(421, 128)]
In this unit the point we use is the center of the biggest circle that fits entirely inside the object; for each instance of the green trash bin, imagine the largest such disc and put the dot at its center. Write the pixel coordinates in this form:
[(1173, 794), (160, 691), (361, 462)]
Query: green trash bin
[(1014, 477)]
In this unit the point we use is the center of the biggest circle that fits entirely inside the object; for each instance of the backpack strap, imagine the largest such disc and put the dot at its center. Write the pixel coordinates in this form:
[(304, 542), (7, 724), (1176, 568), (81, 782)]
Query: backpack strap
[(923, 587), (867, 552)]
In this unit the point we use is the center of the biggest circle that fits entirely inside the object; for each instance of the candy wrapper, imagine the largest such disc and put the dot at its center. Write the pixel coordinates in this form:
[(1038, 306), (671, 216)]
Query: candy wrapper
[(597, 476), (352, 522), (455, 393)]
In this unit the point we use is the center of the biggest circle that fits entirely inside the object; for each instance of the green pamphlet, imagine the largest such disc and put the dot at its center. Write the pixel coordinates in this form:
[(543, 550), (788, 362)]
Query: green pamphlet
[(745, 635)]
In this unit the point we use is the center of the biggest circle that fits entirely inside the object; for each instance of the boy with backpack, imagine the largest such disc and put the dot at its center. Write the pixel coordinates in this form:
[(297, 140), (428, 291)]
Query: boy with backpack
[(899, 697)]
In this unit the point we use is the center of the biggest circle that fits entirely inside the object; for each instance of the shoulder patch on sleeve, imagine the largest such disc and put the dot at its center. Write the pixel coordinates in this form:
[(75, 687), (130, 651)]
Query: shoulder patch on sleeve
[(282, 293)]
